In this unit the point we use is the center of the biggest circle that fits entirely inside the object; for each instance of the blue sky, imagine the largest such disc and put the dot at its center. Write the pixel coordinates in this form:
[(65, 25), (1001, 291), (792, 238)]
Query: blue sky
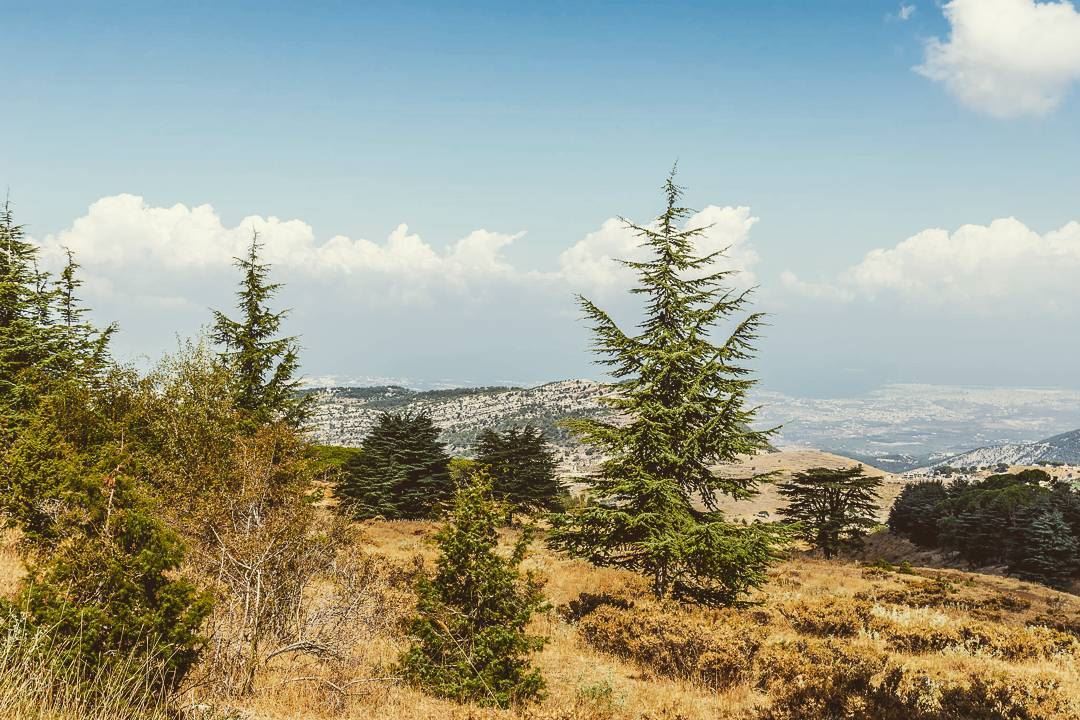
[(549, 119)]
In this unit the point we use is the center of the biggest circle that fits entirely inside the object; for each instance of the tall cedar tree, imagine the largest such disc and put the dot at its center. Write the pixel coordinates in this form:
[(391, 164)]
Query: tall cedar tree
[(522, 468), (264, 365), (684, 401), (470, 642), (400, 472), (834, 508), (22, 339)]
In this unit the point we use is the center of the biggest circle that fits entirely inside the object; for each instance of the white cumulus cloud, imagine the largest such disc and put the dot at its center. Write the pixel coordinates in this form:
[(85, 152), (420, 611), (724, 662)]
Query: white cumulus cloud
[(988, 268), (1007, 57), (589, 265), (168, 256)]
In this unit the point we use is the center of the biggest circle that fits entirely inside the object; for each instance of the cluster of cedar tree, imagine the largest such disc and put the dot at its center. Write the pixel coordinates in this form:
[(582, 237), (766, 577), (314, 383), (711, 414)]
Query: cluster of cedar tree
[(83, 472), (403, 470), (1027, 521)]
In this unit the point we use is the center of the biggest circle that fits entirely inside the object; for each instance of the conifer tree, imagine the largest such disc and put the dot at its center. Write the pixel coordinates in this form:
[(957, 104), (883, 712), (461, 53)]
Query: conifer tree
[(400, 472), (834, 508), (22, 339), (470, 641), (44, 336), (263, 364), (1042, 547), (684, 399), (522, 468), (916, 511)]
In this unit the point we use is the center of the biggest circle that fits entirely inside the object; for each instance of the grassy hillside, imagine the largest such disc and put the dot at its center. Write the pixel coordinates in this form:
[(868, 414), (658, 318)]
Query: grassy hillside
[(865, 640)]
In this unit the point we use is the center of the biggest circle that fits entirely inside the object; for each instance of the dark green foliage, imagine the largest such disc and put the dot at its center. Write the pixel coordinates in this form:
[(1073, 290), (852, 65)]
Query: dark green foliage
[(684, 397), (43, 333), (834, 508), (103, 579), (469, 633), (263, 365), (1044, 548), (916, 512), (400, 472), (522, 468), (1023, 520), (114, 593), (104, 575)]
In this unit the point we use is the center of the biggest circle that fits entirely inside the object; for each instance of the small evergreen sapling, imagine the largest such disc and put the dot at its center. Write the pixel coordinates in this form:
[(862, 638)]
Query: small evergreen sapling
[(833, 508), (470, 639)]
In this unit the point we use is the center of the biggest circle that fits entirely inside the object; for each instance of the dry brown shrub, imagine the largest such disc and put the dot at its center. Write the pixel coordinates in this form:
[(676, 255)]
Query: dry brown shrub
[(1017, 694), (940, 592), (717, 653), (809, 678), (824, 679), (829, 616), (917, 632)]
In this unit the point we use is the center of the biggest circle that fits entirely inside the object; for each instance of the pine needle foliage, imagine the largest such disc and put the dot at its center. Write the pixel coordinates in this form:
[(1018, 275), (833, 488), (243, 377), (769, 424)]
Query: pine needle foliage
[(264, 365), (400, 472), (834, 508), (684, 401), (44, 334), (522, 468), (470, 642)]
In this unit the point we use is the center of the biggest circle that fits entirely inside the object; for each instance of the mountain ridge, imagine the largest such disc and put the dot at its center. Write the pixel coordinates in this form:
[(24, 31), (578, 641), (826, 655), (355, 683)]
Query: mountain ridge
[(1061, 448)]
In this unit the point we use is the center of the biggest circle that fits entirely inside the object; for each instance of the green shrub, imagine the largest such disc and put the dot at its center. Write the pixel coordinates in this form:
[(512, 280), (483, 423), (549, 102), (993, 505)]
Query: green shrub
[(469, 629), (117, 595)]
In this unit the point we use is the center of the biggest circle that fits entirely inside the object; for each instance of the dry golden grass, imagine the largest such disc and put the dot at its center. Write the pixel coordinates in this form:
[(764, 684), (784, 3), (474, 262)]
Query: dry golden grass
[(784, 463), (831, 639), (11, 567)]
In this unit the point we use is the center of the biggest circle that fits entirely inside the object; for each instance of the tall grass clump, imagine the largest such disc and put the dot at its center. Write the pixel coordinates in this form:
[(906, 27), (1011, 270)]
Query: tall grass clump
[(39, 679)]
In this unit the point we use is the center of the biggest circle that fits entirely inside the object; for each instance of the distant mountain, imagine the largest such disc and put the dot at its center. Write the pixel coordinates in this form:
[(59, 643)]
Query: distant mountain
[(1063, 448), (344, 415)]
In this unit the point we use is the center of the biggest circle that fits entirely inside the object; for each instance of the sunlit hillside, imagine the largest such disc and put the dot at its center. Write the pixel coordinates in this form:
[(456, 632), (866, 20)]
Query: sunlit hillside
[(852, 639)]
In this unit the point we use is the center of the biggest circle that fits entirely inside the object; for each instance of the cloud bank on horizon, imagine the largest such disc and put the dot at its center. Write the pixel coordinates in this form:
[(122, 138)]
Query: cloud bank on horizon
[(1007, 58), (145, 263), (123, 241)]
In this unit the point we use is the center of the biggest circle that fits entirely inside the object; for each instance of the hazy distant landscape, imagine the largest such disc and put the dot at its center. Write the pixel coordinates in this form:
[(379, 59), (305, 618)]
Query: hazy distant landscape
[(895, 428)]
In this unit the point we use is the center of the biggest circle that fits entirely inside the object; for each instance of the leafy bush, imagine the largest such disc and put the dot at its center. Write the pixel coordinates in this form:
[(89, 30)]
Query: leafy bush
[(104, 571), (118, 596)]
